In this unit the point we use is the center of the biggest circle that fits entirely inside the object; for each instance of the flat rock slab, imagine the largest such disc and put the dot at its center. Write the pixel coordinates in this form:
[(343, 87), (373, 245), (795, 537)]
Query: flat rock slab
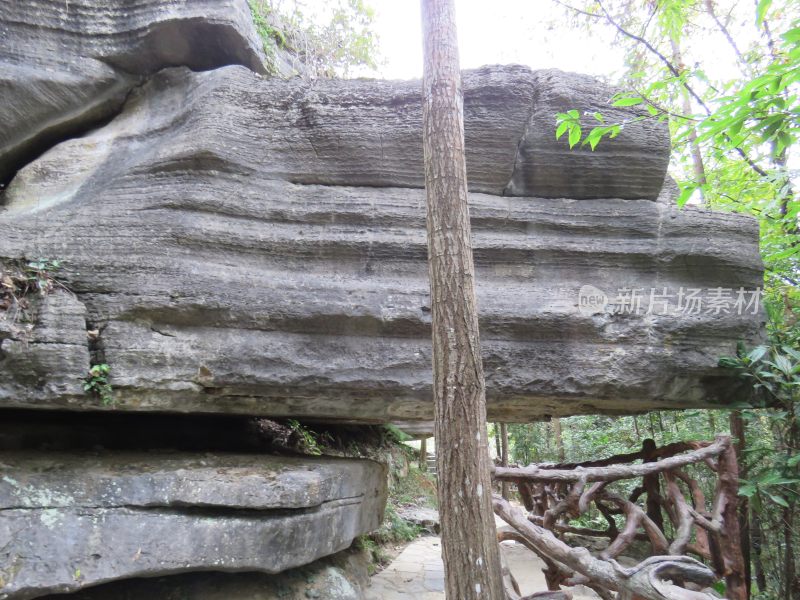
[(70, 521), (340, 577)]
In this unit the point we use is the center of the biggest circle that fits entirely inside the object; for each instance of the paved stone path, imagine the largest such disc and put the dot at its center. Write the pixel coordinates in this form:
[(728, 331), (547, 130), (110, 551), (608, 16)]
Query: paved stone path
[(417, 573)]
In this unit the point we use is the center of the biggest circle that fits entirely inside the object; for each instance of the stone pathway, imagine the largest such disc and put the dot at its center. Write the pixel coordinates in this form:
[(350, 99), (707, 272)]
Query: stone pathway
[(417, 573)]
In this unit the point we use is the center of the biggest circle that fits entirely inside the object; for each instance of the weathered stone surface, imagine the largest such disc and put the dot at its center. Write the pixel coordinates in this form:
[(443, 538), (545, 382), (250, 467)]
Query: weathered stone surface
[(427, 518), (30, 356), (65, 66), (69, 521), (218, 286), (368, 133), (343, 576), (257, 296), (548, 168)]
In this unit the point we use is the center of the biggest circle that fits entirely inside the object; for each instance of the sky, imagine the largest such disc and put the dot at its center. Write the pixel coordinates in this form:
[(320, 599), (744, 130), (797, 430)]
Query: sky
[(493, 32)]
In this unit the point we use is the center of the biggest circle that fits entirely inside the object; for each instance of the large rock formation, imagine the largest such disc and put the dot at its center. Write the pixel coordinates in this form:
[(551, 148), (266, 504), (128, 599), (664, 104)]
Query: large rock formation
[(211, 238), (71, 520), (236, 244), (66, 66)]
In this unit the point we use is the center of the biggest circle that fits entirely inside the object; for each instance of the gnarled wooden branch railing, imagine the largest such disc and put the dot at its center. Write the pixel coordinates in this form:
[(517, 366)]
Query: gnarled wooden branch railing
[(554, 494)]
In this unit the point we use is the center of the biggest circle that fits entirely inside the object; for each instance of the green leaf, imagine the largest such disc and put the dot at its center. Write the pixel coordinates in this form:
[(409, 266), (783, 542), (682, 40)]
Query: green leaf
[(627, 102), (686, 193), (574, 135), (761, 10), (757, 353), (729, 362), (778, 500), (599, 117), (747, 490), (792, 36), (562, 127)]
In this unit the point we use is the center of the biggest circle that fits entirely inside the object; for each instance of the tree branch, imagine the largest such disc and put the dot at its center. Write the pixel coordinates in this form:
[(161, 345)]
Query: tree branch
[(613, 472)]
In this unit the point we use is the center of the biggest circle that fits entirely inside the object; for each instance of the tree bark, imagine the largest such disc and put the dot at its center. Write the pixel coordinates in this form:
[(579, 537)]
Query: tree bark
[(738, 434), (559, 439), (698, 167), (469, 543), (652, 486), (636, 429), (504, 458), (758, 564)]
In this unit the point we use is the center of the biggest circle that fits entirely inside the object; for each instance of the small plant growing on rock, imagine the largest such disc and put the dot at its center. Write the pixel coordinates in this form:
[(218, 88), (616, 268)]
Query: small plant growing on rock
[(97, 383), (41, 275), (20, 279), (307, 437)]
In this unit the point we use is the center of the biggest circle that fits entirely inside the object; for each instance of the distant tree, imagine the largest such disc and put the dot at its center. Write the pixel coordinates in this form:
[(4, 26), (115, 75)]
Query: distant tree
[(333, 40)]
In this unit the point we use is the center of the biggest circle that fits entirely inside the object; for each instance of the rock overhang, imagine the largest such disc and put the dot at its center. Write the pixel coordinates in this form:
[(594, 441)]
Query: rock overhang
[(257, 246)]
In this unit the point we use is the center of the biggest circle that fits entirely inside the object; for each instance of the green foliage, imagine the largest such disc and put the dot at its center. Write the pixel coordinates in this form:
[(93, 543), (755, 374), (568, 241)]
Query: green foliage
[(41, 274), (734, 129), (415, 489), (377, 554), (329, 41), (395, 435), (774, 371), (97, 383), (394, 528), (309, 440), (21, 281)]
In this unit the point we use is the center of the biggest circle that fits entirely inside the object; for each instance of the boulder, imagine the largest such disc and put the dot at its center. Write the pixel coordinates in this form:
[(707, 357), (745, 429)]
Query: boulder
[(74, 520), (67, 66), (223, 276), (421, 516)]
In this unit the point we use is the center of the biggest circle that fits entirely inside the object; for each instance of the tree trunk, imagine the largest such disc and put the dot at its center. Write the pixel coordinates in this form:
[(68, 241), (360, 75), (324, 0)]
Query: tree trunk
[(504, 457), (652, 486), (712, 423), (562, 456), (737, 432), (497, 445), (758, 564), (697, 157), (469, 539), (423, 455)]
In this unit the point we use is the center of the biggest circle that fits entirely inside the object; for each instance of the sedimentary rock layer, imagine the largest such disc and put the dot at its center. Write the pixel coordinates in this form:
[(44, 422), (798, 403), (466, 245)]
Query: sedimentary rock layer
[(368, 132), (343, 576), (73, 520), (217, 285), (66, 66)]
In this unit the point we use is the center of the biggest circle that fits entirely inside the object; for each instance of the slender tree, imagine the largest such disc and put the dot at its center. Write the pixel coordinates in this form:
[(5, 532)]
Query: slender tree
[(504, 458), (469, 543)]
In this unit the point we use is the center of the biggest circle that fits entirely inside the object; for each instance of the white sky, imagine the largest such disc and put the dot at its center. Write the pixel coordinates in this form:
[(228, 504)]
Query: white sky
[(493, 32)]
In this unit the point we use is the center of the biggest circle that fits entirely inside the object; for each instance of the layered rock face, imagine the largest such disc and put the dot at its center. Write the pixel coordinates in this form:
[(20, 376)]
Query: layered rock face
[(258, 246), (232, 245), (146, 505), (73, 520), (66, 66)]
